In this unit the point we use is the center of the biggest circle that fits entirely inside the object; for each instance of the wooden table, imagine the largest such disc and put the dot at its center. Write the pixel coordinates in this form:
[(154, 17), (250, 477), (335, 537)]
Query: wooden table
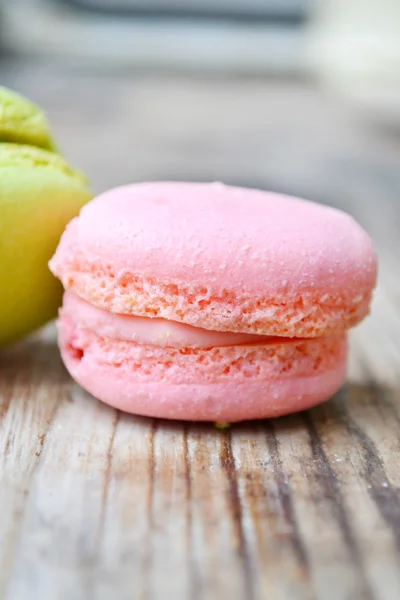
[(99, 505)]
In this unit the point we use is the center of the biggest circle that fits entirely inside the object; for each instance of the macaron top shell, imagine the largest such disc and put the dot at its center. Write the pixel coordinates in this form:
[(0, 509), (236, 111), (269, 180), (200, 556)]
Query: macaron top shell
[(22, 157), (222, 258), (22, 122)]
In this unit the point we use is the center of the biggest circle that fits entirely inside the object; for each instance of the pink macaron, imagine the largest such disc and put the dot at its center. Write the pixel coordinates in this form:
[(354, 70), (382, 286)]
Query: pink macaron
[(208, 302)]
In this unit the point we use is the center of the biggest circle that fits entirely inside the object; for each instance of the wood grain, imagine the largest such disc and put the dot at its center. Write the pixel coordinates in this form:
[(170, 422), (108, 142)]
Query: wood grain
[(95, 504)]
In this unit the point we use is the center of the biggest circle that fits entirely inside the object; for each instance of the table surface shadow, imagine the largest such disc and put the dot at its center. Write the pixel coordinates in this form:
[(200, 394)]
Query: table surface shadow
[(96, 504)]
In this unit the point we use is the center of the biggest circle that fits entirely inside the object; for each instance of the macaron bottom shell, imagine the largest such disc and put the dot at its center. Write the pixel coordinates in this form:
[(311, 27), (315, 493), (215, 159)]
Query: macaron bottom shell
[(224, 384)]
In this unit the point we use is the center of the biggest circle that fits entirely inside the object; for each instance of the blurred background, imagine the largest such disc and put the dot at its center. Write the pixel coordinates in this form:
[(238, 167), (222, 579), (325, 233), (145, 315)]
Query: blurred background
[(299, 96)]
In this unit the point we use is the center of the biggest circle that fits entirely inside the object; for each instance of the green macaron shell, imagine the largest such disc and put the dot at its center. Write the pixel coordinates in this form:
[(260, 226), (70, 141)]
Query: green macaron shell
[(23, 122), (39, 194)]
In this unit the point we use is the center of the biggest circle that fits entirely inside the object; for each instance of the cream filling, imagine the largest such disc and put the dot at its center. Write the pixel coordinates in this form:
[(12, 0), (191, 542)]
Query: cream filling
[(156, 332)]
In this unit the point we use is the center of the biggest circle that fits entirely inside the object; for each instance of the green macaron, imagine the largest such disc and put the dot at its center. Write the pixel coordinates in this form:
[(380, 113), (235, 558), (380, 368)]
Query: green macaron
[(39, 194)]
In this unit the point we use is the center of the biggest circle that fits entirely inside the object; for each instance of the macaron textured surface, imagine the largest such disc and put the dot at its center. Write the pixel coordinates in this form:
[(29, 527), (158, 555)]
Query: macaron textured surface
[(209, 302)]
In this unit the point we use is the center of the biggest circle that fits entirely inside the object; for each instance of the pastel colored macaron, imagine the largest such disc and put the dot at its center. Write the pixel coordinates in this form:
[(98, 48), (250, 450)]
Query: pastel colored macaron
[(208, 302), (39, 193)]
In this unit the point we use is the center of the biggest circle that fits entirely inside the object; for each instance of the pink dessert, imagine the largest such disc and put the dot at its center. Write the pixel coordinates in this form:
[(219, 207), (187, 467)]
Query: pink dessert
[(208, 302)]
